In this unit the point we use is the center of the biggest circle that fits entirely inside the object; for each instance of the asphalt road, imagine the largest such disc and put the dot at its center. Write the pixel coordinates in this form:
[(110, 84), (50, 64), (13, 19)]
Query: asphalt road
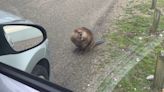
[(59, 17)]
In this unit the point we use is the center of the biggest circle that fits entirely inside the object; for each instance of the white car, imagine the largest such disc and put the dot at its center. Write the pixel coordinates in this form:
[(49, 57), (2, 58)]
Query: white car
[(24, 45)]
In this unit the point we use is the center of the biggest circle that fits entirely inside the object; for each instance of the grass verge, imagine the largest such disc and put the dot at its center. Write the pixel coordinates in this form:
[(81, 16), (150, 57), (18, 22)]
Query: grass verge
[(133, 30), (130, 43)]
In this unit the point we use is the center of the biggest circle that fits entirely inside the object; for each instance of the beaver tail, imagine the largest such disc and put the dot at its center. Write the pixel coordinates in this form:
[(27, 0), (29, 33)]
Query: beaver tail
[(99, 42)]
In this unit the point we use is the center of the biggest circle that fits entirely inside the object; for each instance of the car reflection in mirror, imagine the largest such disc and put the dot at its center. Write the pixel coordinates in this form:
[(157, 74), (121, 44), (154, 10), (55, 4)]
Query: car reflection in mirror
[(21, 37)]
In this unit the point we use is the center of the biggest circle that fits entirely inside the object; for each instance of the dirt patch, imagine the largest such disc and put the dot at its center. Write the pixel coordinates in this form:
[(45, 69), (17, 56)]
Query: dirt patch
[(105, 25)]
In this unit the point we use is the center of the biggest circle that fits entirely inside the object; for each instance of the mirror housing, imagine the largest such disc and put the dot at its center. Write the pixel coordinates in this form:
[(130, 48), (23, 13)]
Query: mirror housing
[(16, 38)]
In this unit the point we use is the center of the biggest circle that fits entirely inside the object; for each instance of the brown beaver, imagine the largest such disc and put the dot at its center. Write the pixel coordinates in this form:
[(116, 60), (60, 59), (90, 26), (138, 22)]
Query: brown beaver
[(83, 38)]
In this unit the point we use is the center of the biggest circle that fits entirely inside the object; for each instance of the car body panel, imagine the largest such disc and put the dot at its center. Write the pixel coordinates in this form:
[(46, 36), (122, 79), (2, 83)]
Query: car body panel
[(26, 60), (22, 60), (6, 17)]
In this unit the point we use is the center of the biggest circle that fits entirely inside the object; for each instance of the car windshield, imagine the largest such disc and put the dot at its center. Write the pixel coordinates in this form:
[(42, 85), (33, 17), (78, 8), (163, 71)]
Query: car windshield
[(92, 45)]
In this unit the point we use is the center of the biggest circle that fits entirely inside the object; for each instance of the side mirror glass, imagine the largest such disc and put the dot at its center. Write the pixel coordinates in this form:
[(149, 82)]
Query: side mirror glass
[(22, 37)]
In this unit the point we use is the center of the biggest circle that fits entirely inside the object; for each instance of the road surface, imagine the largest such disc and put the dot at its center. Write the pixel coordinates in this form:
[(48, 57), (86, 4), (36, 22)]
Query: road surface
[(60, 17)]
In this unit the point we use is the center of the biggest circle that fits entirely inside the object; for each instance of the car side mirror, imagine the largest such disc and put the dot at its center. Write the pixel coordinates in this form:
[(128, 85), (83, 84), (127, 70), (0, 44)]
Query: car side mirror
[(22, 37)]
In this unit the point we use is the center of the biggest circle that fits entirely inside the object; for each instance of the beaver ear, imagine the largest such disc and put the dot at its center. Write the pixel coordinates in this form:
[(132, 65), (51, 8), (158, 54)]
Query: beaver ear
[(84, 28), (75, 30)]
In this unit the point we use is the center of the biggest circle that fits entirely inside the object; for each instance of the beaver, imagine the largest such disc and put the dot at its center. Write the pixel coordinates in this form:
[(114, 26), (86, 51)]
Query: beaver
[(83, 39)]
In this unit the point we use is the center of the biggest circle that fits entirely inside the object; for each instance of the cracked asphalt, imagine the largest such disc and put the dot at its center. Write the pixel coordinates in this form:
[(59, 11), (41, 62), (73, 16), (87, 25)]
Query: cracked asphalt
[(59, 18)]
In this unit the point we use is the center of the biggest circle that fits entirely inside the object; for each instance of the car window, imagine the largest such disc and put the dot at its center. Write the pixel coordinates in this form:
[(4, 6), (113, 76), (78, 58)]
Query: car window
[(10, 85)]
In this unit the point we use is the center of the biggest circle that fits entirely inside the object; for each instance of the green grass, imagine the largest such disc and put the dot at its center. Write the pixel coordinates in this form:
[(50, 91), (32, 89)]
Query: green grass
[(161, 24), (143, 8), (131, 24), (160, 3), (136, 81), (129, 30)]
